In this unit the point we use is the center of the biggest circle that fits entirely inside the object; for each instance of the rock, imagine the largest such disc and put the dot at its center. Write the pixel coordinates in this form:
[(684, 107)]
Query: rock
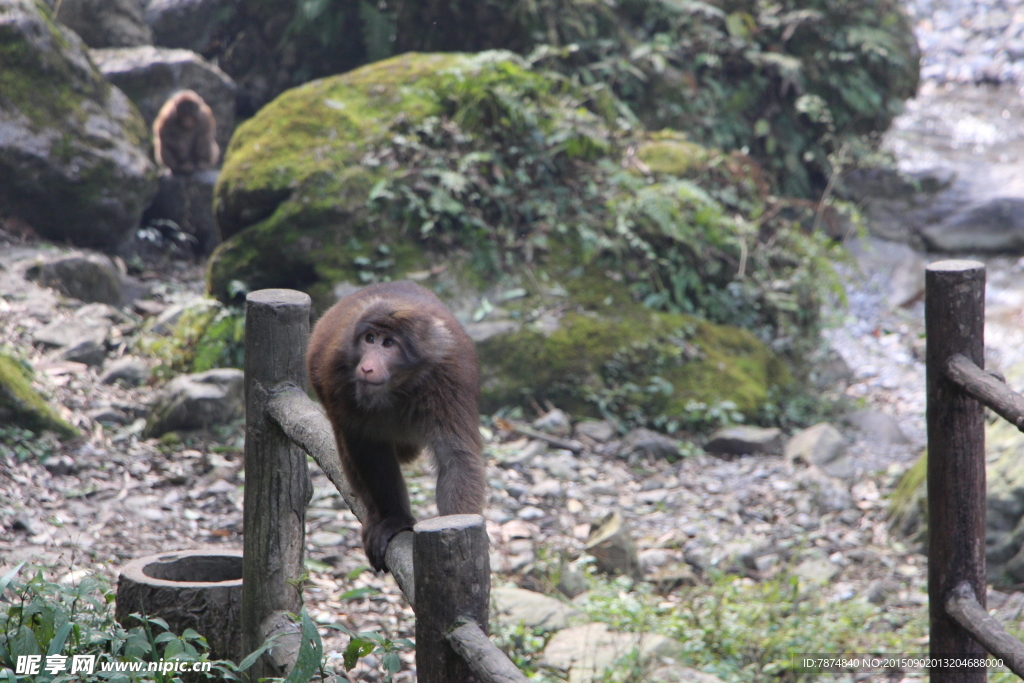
[(524, 456), (513, 559), (671, 577), (197, 401), (651, 444), (81, 340), (554, 422), (598, 430), (150, 75), (821, 445), (531, 513), (572, 583), (818, 571), (514, 606), (105, 23), (828, 494), (129, 371), (549, 488), (995, 226), (830, 372), (187, 201), (878, 426), (108, 415), (652, 558), (74, 155), (326, 539), (187, 24), (89, 277), (585, 652), (21, 405), (880, 591), (563, 466), (906, 284), (744, 440), (60, 465), (612, 546), (897, 205)]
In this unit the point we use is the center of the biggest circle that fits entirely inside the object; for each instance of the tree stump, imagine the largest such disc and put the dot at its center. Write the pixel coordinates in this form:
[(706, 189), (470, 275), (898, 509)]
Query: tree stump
[(198, 589)]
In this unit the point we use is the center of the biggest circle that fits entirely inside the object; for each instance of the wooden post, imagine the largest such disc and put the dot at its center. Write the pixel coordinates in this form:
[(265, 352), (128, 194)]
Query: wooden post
[(452, 570), (277, 485), (954, 324)]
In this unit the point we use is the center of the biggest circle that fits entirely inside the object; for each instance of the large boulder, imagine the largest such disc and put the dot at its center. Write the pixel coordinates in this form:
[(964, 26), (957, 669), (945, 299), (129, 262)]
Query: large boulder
[(562, 238), (74, 151), (92, 278), (104, 23), (150, 75), (197, 401)]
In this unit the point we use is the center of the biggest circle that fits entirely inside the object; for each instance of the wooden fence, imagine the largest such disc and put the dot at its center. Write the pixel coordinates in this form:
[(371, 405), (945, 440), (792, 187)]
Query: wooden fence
[(442, 566), (958, 391)]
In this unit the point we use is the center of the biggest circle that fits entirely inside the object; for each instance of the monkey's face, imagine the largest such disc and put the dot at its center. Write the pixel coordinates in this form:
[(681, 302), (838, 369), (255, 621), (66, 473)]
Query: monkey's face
[(382, 365)]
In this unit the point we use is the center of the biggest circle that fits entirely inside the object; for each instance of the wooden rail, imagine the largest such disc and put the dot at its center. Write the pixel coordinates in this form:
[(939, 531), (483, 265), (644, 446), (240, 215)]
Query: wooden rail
[(442, 565), (957, 390)]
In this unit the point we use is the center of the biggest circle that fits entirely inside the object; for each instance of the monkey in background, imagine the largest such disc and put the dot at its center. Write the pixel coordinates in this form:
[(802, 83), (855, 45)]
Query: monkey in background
[(396, 373), (183, 134)]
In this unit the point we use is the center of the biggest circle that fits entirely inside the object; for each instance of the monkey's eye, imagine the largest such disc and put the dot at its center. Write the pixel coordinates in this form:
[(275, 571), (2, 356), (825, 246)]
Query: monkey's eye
[(370, 338), (387, 343)]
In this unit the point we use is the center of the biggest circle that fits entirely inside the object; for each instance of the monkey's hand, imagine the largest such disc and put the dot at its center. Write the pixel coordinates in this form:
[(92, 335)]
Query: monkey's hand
[(377, 535)]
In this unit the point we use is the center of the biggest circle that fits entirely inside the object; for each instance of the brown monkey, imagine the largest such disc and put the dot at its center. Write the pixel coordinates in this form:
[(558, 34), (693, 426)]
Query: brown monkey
[(183, 134), (396, 373)]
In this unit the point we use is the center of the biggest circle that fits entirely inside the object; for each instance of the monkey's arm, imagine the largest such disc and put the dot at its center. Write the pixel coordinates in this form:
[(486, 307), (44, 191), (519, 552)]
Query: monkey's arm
[(374, 472), (461, 476)]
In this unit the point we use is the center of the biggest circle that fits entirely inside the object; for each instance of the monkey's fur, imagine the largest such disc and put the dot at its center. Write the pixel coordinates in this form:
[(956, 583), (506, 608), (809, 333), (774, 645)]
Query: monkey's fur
[(184, 132), (396, 374)]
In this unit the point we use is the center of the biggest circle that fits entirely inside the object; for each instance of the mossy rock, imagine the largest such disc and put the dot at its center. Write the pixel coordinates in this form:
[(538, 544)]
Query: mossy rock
[(634, 363), (22, 406), (292, 198), (517, 196), (74, 151)]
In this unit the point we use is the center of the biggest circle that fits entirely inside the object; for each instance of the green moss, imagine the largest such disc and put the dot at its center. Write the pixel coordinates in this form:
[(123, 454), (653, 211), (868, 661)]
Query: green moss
[(296, 188), (636, 364), (671, 153), (37, 80), (319, 129), (22, 406)]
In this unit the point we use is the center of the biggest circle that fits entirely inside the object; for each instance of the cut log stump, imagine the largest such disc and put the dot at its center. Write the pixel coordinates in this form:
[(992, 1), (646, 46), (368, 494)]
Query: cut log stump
[(197, 589)]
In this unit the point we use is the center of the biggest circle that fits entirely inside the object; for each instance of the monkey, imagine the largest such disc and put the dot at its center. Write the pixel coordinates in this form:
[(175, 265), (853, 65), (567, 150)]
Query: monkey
[(183, 134), (396, 374)]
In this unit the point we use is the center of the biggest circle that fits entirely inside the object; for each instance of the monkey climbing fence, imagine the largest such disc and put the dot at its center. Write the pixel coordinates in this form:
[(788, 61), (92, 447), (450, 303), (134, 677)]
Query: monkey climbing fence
[(958, 390), (442, 566)]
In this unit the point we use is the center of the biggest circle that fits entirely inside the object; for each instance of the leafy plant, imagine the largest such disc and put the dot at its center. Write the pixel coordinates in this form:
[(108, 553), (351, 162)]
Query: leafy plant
[(748, 632), (788, 80), (553, 188), (206, 336), (369, 643), (22, 445), (51, 621)]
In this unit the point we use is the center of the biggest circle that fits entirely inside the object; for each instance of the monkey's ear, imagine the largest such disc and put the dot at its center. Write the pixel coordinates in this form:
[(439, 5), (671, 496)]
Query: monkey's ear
[(439, 339)]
